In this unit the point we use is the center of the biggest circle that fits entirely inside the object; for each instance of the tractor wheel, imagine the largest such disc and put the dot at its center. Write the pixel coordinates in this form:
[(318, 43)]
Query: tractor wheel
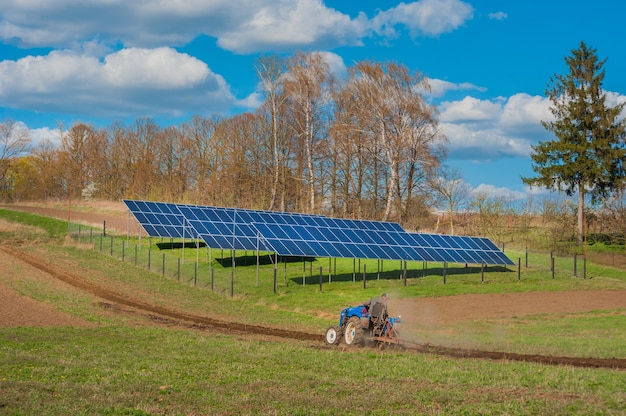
[(353, 333), (333, 335)]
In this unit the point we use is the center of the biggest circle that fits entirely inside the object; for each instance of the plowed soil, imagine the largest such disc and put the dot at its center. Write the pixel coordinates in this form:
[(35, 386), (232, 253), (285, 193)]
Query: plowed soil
[(16, 310)]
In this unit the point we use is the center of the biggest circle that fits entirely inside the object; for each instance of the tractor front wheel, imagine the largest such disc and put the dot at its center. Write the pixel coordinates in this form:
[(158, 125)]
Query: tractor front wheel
[(353, 333), (333, 335)]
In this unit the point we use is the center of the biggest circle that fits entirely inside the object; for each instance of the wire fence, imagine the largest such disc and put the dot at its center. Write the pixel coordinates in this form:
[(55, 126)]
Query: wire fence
[(195, 264)]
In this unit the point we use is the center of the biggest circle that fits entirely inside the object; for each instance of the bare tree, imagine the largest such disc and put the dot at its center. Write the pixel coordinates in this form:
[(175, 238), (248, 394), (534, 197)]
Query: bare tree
[(143, 169), (14, 142), (613, 217), (49, 166), (271, 71), (558, 218), (120, 163), (450, 189), (200, 134), (398, 122), (82, 150), (353, 158), (306, 86), (172, 153)]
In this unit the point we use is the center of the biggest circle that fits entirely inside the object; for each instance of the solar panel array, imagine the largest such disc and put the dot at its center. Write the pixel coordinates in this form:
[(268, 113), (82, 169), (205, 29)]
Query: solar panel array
[(292, 234)]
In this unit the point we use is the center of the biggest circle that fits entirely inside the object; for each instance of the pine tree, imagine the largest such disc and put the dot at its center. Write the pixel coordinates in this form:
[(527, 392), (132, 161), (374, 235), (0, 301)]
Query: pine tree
[(588, 155)]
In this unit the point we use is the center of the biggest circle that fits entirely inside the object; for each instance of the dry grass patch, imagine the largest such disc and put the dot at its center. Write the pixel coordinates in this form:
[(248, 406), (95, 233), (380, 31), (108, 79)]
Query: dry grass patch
[(15, 227)]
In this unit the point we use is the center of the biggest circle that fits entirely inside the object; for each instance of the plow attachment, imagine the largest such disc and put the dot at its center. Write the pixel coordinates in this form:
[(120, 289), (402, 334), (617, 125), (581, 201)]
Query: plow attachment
[(386, 333)]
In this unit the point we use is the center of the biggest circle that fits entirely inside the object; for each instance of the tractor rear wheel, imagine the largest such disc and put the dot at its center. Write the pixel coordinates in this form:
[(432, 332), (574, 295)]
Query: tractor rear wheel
[(333, 335), (353, 333)]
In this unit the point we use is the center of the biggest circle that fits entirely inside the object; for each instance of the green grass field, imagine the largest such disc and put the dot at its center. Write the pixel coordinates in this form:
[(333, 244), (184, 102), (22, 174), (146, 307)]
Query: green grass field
[(126, 364)]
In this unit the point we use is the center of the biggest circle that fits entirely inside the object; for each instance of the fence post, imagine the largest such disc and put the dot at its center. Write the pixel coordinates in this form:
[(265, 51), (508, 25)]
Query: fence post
[(445, 269), (275, 271), (364, 276), (519, 269), (178, 273), (404, 273), (163, 266), (482, 272), (321, 272), (111, 246)]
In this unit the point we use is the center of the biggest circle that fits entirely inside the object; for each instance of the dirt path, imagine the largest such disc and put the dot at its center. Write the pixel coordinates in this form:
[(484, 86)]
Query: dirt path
[(433, 312)]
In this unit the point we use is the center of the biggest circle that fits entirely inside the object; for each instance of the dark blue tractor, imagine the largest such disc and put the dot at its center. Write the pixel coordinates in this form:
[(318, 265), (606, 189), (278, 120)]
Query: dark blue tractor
[(362, 325)]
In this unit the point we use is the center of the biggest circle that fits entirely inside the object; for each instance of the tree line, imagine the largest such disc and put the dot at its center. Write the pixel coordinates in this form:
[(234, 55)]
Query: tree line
[(367, 145), (363, 146)]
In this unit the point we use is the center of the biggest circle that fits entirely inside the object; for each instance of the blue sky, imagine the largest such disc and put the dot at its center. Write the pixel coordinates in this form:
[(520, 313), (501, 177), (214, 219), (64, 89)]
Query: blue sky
[(489, 62)]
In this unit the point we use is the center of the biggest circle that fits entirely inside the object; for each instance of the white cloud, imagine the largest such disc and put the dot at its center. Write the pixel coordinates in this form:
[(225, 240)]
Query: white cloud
[(482, 144), (336, 64), (523, 113), (469, 109), (438, 87), (538, 190), (498, 192), (130, 82), (43, 134), (427, 17), (498, 16), (110, 63), (292, 24), (252, 101), (486, 129), (238, 25), (163, 68)]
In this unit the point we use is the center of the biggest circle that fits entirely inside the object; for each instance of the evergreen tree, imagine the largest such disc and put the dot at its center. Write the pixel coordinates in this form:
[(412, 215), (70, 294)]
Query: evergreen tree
[(588, 154)]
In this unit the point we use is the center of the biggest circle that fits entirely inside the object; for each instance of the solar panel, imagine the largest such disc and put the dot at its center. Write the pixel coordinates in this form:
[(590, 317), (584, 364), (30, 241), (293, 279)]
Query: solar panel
[(158, 219), (292, 234), (223, 227)]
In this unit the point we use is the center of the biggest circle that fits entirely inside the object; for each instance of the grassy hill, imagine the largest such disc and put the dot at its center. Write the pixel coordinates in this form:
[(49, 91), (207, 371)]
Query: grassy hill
[(129, 362)]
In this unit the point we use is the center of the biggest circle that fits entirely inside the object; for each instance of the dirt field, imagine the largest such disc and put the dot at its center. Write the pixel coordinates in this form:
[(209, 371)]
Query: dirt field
[(16, 310)]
